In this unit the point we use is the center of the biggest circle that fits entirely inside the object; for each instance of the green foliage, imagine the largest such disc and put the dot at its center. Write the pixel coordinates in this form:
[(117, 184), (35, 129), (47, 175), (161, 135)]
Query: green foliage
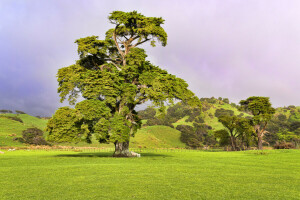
[(145, 28), (196, 136), (237, 132), (284, 145), (226, 100), (223, 112), (65, 126), (114, 76), (20, 112), (15, 118), (260, 108), (148, 113), (5, 111), (33, 136)]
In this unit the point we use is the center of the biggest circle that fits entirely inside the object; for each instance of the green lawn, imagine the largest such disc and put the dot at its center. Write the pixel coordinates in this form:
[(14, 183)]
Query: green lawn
[(275, 174)]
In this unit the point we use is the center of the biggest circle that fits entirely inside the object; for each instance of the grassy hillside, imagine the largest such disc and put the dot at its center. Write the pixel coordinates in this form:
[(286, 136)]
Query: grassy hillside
[(209, 114), (157, 137), (10, 128), (147, 137)]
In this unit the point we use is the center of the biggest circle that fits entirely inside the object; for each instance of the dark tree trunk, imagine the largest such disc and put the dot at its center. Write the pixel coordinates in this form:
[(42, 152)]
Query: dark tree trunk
[(259, 137), (122, 149)]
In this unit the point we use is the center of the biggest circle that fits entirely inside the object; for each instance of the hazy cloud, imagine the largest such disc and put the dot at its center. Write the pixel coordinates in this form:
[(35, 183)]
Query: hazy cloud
[(231, 49)]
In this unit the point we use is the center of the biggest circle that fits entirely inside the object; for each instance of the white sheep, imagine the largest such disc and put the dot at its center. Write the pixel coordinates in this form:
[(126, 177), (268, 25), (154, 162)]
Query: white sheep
[(135, 154)]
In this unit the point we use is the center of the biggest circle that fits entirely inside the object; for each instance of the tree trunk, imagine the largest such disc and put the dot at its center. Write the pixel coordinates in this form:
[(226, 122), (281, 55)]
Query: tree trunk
[(233, 143), (122, 149), (259, 137), (260, 142)]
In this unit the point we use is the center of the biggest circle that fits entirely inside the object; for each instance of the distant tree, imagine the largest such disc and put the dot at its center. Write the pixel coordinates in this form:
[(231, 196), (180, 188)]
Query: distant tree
[(15, 118), (196, 136), (226, 100), (245, 132), (114, 77), (5, 111), (282, 117), (230, 126), (222, 112), (262, 111), (20, 112), (294, 125), (233, 105), (148, 113), (237, 132)]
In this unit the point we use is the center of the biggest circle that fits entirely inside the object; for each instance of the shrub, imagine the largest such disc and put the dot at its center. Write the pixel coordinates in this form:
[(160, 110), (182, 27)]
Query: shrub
[(15, 118), (282, 117), (34, 136), (226, 100), (196, 136), (20, 112), (5, 111), (19, 139), (222, 112), (284, 145), (148, 113)]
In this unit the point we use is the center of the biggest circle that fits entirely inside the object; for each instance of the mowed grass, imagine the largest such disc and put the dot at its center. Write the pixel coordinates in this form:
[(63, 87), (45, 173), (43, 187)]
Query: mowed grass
[(274, 174)]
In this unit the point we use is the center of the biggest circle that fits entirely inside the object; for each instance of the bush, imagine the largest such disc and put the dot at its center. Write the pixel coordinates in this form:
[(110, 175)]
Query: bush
[(196, 136), (5, 111), (222, 112), (282, 117), (148, 113), (226, 100), (34, 136), (20, 112), (284, 145), (15, 118)]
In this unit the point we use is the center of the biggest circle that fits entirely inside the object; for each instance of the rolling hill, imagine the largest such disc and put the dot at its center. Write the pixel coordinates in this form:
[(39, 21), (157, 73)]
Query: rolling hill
[(155, 136)]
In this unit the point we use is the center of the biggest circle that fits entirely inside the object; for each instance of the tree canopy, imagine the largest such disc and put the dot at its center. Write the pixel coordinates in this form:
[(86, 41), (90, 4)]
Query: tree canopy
[(113, 76), (262, 111)]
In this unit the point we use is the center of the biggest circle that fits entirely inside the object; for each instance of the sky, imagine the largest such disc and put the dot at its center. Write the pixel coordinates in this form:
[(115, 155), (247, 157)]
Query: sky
[(222, 48)]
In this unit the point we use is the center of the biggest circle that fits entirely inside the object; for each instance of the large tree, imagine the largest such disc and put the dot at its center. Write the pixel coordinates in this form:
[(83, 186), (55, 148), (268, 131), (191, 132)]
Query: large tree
[(262, 111), (113, 76)]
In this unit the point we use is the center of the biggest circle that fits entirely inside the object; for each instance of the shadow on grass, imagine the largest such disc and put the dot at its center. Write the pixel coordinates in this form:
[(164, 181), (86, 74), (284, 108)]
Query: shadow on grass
[(107, 155)]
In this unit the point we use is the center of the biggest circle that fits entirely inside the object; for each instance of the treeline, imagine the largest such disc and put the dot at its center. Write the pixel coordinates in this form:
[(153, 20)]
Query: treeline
[(4, 111), (250, 128)]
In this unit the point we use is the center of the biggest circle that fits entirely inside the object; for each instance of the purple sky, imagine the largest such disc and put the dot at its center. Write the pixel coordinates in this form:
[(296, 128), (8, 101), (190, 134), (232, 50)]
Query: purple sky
[(233, 49)]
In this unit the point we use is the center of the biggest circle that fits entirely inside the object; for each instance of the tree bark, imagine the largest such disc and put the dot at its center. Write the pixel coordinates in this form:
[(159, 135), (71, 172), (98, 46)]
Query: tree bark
[(233, 142), (259, 142), (259, 137), (122, 149)]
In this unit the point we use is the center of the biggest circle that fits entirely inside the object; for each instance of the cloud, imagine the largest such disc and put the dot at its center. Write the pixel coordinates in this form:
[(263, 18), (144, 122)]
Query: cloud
[(232, 49)]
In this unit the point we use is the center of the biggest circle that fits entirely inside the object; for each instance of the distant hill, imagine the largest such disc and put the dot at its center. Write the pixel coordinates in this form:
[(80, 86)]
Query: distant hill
[(160, 131), (10, 128)]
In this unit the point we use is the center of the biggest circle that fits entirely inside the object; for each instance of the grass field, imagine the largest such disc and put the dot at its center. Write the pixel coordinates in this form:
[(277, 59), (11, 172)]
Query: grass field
[(273, 174)]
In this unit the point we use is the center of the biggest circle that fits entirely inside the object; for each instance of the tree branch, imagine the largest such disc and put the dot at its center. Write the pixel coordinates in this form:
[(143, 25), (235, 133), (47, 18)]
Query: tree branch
[(117, 44), (262, 132), (138, 43)]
